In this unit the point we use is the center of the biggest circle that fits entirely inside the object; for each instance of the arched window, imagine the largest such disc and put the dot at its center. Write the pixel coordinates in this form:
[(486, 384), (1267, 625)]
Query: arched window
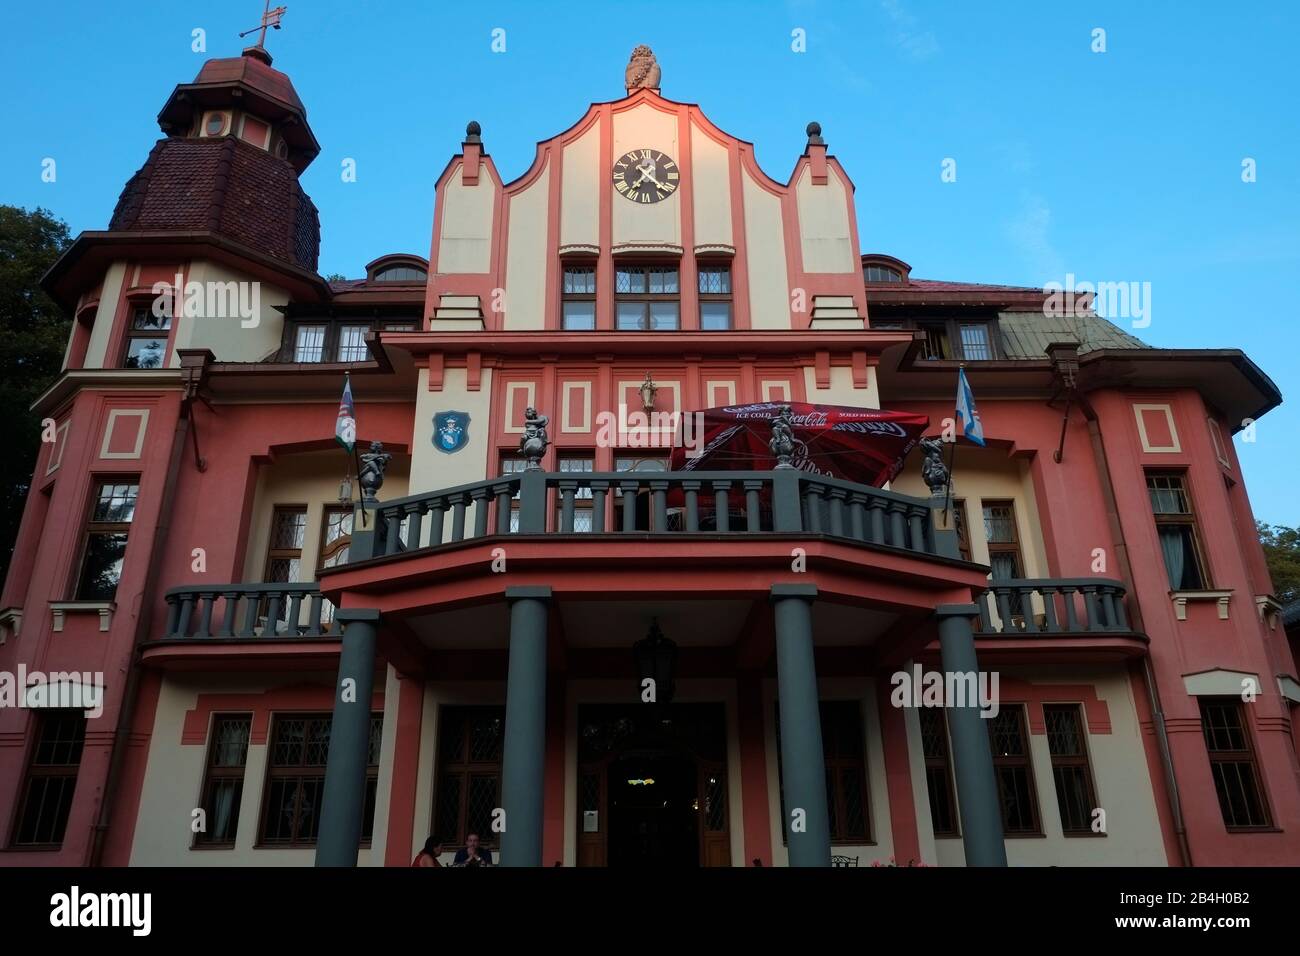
[(398, 267), (401, 274), (882, 274), (880, 269)]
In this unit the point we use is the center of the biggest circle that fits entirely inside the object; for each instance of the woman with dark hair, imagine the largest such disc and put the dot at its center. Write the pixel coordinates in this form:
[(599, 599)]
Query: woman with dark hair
[(429, 855)]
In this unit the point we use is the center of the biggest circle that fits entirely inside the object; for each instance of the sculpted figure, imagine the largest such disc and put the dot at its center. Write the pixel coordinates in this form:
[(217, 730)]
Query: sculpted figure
[(534, 441), (373, 465), (642, 70)]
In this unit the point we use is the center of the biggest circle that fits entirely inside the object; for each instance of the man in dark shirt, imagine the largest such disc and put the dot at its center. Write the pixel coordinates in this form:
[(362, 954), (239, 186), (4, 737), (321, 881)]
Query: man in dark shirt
[(472, 854)]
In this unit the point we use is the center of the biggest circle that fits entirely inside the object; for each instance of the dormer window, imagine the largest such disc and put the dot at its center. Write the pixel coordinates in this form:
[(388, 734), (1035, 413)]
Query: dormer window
[(310, 341), (215, 123), (949, 339), (879, 269), (401, 274), (882, 274), (398, 267)]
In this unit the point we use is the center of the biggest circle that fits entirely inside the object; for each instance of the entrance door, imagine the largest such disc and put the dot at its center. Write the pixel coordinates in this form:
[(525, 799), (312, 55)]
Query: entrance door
[(652, 820), (652, 786)]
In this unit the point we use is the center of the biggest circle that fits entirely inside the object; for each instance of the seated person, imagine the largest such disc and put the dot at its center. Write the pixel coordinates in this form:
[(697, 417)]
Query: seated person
[(429, 855), (472, 854)]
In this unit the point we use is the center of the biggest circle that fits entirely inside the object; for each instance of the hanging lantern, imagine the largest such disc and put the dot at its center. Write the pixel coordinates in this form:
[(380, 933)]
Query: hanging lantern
[(656, 660)]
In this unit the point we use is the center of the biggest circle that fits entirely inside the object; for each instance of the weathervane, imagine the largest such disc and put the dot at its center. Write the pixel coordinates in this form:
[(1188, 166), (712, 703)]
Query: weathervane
[(270, 18)]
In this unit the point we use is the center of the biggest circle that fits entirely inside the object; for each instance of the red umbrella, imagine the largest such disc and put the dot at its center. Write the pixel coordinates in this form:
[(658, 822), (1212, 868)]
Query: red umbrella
[(863, 445)]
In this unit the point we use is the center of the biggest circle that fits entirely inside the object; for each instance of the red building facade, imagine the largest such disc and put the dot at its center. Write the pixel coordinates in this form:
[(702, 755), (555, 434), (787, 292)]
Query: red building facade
[(285, 678)]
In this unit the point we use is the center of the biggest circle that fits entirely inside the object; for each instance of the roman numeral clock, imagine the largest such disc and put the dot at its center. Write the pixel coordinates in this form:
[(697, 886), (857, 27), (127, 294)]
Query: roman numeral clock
[(646, 176)]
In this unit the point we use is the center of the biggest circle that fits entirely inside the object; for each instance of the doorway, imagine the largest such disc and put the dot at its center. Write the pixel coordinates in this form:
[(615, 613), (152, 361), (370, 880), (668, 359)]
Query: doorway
[(652, 821), (652, 788)]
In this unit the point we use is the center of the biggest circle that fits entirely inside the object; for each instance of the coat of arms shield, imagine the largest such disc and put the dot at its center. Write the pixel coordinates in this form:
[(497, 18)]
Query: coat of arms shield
[(450, 431)]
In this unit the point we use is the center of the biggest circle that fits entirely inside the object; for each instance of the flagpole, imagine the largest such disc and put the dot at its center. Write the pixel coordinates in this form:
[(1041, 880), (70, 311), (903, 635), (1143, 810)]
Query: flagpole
[(947, 491), (356, 459), (952, 456)]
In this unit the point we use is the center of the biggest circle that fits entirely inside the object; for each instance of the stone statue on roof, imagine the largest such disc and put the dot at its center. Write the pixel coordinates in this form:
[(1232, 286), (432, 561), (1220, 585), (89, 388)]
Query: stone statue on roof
[(642, 70)]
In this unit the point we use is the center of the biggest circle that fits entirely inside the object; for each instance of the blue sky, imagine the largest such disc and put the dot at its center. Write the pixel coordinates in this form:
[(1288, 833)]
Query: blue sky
[(1117, 166)]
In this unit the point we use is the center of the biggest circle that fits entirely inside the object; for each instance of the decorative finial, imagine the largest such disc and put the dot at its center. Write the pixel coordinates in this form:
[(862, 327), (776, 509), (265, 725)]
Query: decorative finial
[(270, 18), (642, 70), (473, 132), (815, 134)]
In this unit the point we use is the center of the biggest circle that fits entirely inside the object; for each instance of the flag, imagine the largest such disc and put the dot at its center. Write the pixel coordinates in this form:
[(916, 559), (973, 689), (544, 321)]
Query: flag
[(967, 414), (345, 429)]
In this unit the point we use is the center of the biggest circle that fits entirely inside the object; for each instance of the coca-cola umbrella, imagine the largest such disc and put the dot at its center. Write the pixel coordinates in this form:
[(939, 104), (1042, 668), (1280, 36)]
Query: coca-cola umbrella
[(863, 445)]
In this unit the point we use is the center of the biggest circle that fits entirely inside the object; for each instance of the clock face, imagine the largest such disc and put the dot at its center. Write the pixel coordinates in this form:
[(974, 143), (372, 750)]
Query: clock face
[(646, 176)]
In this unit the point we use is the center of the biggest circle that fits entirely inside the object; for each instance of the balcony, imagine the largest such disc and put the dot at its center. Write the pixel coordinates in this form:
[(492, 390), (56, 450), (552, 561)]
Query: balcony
[(1068, 618), (667, 504), (251, 625), (681, 545)]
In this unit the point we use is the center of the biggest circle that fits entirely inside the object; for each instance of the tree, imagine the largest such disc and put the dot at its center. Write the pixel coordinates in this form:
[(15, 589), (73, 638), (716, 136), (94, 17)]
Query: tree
[(1282, 552), (33, 336)]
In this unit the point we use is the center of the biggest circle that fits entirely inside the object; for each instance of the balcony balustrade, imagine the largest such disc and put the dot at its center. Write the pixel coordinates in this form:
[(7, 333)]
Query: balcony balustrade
[(673, 504), (1053, 606), (247, 611), (654, 503)]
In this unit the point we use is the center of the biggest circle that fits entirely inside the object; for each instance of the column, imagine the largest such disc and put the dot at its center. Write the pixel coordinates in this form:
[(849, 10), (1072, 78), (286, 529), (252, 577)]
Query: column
[(524, 758), (345, 768), (977, 786), (803, 762)]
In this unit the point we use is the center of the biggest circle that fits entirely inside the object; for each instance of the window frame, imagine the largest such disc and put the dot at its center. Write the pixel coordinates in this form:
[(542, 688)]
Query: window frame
[(274, 553), (1023, 761), (1188, 519), (214, 774), (1247, 755), (465, 769), (35, 770), (648, 298), (942, 764), (896, 277), (583, 501), (382, 274), (1080, 761), (949, 328), (332, 344), (327, 549), (706, 298), (835, 763), (1012, 547), (585, 268), (134, 334), (840, 763), (960, 526), (517, 465), (90, 527), (304, 770)]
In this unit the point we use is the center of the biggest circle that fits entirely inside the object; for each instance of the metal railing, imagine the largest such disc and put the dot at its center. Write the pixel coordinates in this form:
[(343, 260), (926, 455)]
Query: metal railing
[(247, 610), (1053, 606), (656, 503)]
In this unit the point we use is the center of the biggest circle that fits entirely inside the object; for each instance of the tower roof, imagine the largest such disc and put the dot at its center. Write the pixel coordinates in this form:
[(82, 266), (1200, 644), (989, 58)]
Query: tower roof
[(247, 82)]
